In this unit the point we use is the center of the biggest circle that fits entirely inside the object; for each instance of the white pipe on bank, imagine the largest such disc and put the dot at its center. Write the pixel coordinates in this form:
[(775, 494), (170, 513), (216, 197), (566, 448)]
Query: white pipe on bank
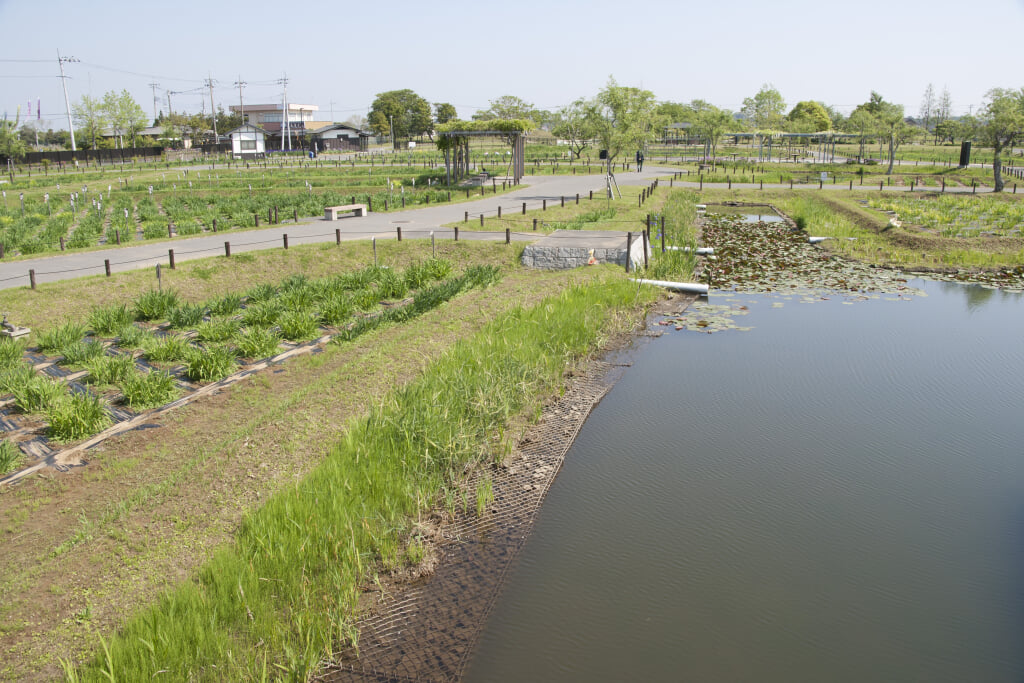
[(701, 251), (688, 287), (815, 240)]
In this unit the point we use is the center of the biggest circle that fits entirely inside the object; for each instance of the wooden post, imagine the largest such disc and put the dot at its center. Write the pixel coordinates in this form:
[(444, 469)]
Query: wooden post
[(466, 218), (647, 241), (215, 225), (508, 236), (456, 233), (285, 236), (62, 244), (270, 216), (106, 266), (544, 205), (227, 249), (499, 210), (629, 246), (534, 223), (170, 257), (481, 220), (337, 236), (591, 195), (32, 277), (399, 231), (524, 208), (880, 184), (563, 201), (117, 236), (851, 184), (276, 219), (295, 215), (257, 217)]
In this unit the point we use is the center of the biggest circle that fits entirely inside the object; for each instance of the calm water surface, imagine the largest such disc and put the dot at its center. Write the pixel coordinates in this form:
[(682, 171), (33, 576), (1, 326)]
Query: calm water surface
[(834, 495)]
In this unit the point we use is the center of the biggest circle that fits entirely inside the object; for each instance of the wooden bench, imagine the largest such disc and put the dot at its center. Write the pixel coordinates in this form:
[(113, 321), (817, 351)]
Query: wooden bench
[(331, 212)]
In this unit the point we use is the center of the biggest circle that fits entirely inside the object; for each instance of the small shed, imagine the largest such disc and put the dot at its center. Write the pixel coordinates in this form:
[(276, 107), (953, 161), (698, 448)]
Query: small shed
[(248, 141), (340, 136)]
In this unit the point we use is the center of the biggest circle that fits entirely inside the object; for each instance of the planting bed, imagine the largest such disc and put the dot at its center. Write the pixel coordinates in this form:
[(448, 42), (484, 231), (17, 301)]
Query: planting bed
[(216, 344)]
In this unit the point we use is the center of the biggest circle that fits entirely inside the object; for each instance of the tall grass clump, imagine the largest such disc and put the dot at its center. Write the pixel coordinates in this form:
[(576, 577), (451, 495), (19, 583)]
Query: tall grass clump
[(210, 364), (148, 390), (35, 393), (81, 352), (291, 580), (77, 415), (10, 457), (11, 351), (262, 313), (186, 316), (225, 305), (155, 304), (56, 338), (217, 330), (168, 349), (256, 342), (107, 320), (298, 325), (110, 369), (133, 337)]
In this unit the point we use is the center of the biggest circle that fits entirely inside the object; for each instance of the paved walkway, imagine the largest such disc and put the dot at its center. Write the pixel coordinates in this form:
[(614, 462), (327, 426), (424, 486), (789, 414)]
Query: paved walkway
[(415, 224)]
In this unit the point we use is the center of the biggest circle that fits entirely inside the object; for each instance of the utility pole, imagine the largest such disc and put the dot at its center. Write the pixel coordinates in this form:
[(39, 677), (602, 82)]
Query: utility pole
[(241, 107), (154, 86), (213, 110), (332, 111), (287, 129), (67, 102)]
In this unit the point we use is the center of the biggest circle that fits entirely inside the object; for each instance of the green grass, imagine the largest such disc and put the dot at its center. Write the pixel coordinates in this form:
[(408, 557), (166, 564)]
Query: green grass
[(298, 325), (110, 369), (217, 330), (291, 580), (11, 351), (185, 316), (35, 393), (170, 348), (81, 352), (256, 342)]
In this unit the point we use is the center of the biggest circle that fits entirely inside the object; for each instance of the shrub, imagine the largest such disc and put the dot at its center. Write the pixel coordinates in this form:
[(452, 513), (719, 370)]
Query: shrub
[(155, 304), (148, 390), (211, 364), (76, 416)]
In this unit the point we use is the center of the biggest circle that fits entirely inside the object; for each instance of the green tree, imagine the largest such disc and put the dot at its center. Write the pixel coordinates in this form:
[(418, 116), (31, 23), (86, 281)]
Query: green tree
[(675, 112), (90, 118), (227, 121), (929, 107), (809, 117), (864, 124), (124, 115), (577, 124), (11, 144), (764, 110), (894, 128), (508, 107), (444, 112), (709, 125), (625, 119), (401, 114), (1002, 125), (945, 130)]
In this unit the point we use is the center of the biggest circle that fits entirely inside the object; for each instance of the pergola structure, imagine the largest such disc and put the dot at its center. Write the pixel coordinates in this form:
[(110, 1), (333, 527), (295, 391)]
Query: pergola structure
[(454, 137)]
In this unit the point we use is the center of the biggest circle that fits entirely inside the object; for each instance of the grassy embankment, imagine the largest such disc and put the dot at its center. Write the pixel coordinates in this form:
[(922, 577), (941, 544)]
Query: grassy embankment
[(85, 548)]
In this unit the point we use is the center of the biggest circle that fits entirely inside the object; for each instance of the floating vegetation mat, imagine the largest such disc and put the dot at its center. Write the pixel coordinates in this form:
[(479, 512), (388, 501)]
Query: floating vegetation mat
[(763, 257), (702, 316)]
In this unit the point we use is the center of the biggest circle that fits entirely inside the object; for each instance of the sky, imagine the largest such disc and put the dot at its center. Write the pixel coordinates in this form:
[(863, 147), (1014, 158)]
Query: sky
[(339, 56)]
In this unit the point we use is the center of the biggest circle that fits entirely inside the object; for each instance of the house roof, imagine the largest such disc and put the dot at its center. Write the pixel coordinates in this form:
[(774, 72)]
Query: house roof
[(247, 127), (338, 126)]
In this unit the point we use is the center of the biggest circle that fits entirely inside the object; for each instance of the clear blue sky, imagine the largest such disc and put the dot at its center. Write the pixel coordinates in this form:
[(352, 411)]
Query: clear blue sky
[(469, 53)]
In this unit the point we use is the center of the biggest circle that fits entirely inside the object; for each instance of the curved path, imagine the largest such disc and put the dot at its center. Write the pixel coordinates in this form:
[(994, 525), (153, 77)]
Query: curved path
[(415, 223)]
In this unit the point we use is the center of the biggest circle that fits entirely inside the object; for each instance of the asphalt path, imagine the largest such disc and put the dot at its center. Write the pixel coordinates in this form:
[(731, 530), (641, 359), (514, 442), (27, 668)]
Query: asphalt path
[(415, 223)]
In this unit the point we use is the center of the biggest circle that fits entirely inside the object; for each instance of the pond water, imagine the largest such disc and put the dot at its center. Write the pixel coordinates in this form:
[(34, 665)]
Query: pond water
[(747, 214), (836, 494)]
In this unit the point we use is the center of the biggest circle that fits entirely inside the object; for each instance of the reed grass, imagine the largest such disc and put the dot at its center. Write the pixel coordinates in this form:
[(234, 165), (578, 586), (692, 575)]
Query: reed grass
[(299, 324), (35, 393), (217, 330), (155, 304), (169, 348), (54, 339), (186, 316), (225, 305), (81, 352), (11, 351), (290, 582), (110, 369), (256, 342), (210, 364)]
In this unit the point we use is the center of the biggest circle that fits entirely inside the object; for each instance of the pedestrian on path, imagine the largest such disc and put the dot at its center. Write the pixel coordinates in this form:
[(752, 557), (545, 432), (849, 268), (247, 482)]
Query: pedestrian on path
[(639, 160)]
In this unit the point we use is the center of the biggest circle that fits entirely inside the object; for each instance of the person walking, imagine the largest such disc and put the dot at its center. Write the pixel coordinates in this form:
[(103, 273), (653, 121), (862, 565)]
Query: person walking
[(639, 161)]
